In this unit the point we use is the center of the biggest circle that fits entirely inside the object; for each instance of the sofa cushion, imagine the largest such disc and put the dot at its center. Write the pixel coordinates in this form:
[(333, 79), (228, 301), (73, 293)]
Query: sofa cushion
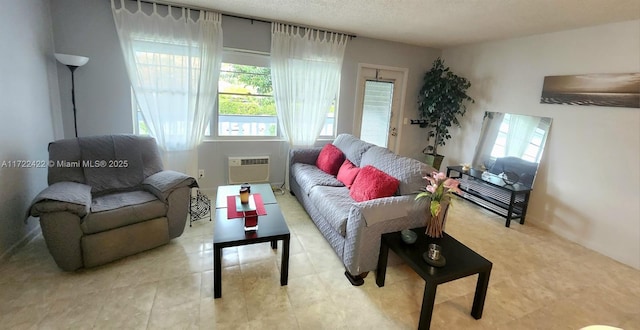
[(352, 147), (309, 176), (330, 159), (122, 209), (335, 204), (348, 173), (371, 183), (408, 171), (115, 162)]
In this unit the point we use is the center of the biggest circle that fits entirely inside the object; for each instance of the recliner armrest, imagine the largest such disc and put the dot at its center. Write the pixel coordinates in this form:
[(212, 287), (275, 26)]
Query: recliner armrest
[(163, 183), (62, 196)]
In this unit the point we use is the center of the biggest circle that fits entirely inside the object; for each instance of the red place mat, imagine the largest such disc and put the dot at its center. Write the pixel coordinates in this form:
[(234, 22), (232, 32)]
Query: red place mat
[(231, 207)]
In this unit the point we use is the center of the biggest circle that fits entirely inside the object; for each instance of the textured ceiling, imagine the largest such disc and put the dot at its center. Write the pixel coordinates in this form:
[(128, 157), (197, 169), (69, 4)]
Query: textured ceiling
[(432, 23)]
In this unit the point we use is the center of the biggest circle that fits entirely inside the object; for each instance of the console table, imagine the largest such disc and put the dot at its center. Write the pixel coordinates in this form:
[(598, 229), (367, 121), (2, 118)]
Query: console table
[(491, 192)]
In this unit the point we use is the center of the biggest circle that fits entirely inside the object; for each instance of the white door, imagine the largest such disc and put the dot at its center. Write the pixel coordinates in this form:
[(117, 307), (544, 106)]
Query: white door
[(380, 96)]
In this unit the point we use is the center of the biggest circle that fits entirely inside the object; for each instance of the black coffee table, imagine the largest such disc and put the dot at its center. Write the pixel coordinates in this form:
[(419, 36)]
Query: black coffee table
[(230, 232), (461, 262)]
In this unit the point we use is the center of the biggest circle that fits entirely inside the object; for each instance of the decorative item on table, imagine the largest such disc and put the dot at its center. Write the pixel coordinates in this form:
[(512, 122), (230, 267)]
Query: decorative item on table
[(509, 178), (251, 222), (466, 167), (434, 256), (440, 190), (244, 195), (408, 236), (249, 211)]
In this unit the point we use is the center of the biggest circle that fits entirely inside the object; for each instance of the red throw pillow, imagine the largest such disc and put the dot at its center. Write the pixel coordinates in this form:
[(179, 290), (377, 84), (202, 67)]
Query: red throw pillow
[(330, 159), (348, 173), (371, 183)]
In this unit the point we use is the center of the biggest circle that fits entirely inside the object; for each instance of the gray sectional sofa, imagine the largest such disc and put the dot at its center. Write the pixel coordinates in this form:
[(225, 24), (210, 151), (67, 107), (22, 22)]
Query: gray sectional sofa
[(108, 198), (353, 228)]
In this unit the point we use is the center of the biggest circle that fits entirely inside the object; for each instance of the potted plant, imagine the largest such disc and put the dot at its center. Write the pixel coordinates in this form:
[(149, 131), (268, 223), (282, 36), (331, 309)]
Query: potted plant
[(440, 103)]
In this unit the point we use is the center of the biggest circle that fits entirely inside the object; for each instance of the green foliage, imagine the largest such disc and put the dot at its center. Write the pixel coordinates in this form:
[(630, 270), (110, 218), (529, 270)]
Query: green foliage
[(246, 105), (250, 89), (143, 129), (249, 76), (440, 102)]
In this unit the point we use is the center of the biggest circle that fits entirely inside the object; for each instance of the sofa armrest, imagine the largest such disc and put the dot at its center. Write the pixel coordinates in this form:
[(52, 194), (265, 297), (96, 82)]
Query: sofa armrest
[(304, 156), (63, 196), (362, 239), (382, 209), (163, 183)]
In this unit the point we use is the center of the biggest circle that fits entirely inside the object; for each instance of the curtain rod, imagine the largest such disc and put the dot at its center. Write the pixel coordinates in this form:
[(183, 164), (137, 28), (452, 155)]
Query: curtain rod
[(249, 18)]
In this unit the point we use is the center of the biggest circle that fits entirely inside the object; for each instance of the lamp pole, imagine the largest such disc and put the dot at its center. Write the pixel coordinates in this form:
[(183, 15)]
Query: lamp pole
[(72, 62), (73, 97)]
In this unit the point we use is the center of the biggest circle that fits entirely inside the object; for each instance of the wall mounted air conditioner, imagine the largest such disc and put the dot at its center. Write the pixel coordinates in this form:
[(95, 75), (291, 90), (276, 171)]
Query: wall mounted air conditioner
[(253, 169)]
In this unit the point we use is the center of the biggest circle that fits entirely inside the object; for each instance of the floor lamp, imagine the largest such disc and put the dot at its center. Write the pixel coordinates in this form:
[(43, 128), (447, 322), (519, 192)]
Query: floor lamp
[(72, 62)]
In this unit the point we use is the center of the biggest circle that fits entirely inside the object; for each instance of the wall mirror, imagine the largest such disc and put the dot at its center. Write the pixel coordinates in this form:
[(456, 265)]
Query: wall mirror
[(511, 146)]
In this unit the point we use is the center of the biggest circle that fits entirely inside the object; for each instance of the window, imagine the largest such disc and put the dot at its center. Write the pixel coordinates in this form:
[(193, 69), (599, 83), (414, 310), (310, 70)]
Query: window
[(245, 101), (532, 151), (499, 148), (245, 107), (329, 128)]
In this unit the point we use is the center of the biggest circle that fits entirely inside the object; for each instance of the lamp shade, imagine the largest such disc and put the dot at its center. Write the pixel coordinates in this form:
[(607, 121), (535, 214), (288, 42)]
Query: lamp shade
[(72, 60)]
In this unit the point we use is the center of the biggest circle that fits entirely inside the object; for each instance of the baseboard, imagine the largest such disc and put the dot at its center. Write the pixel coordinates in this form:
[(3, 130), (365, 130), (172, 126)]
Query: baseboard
[(20, 243)]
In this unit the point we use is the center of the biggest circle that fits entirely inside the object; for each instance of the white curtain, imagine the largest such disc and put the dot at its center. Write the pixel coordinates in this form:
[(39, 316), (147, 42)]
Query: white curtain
[(521, 129), (488, 135), (305, 72), (173, 61)]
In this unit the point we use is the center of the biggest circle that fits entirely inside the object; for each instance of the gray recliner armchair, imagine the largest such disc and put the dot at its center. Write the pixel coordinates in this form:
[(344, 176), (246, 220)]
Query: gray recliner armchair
[(108, 198)]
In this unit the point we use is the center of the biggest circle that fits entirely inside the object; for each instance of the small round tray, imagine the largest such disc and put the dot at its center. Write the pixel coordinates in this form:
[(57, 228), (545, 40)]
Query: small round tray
[(440, 262)]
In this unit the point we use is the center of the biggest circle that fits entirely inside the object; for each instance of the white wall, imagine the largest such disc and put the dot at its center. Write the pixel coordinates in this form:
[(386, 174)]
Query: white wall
[(29, 110), (103, 92), (359, 50), (86, 27), (588, 186), (386, 53)]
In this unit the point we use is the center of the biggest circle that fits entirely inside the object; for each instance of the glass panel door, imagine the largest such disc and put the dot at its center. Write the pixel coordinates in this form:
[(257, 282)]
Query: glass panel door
[(376, 112)]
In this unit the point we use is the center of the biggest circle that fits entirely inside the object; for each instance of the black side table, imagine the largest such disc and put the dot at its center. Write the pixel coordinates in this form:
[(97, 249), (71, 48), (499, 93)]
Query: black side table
[(492, 193), (230, 232), (461, 262)]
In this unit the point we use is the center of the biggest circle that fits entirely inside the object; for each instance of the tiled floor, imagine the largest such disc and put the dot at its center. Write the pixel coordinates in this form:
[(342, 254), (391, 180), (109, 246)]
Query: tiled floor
[(539, 281)]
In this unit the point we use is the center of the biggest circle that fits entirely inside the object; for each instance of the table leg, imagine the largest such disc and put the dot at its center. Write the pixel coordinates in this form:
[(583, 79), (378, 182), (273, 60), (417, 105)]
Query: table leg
[(510, 211), (284, 267), (481, 294), (217, 272), (428, 300), (381, 271), (274, 244), (524, 208)]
